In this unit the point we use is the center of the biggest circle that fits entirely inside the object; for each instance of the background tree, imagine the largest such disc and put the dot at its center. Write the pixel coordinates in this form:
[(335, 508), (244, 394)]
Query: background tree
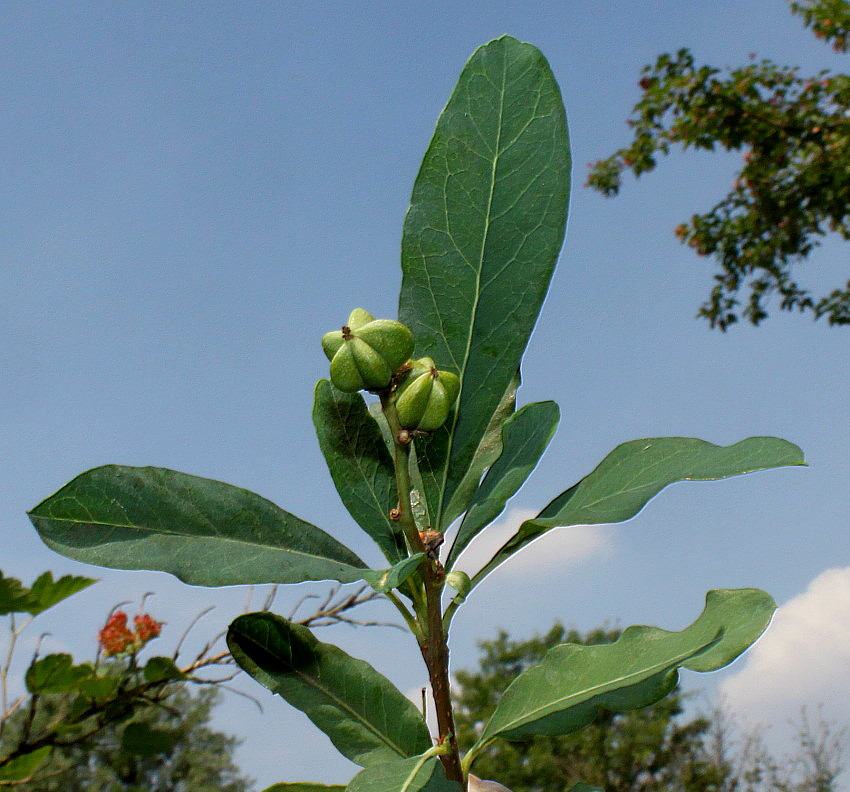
[(794, 186), (128, 756), (122, 722)]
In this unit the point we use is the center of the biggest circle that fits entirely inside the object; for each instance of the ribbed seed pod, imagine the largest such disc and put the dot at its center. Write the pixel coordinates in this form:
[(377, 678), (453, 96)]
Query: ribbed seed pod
[(367, 352), (426, 396)]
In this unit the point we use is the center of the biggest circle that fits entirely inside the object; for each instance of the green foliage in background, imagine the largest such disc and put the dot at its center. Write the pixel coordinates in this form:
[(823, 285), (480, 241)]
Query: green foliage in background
[(128, 757), (793, 188)]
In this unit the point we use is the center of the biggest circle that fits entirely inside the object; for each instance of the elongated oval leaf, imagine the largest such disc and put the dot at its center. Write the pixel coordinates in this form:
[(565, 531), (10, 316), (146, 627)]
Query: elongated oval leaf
[(417, 774), (525, 436), (366, 717), (488, 451), (205, 532), (359, 463), (481, 237), (564, 692), (634, 472)]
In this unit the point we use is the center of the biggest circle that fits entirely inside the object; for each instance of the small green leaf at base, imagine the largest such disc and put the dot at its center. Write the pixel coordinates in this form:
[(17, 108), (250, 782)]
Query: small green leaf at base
[(304, 786), (409, 775), (388, 579)]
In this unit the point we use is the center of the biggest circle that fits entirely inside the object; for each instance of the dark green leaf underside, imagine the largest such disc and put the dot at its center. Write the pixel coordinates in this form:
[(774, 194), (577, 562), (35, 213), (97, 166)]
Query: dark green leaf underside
[(359, 463), (363, 713)]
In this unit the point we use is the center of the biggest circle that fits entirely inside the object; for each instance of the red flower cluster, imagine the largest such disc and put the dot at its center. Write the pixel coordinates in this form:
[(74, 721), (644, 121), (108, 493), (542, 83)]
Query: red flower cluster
[(117, 638)]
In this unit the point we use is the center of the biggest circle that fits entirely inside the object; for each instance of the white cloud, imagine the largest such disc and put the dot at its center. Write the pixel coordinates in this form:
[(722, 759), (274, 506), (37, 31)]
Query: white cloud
[(555, 549), (802, 660)]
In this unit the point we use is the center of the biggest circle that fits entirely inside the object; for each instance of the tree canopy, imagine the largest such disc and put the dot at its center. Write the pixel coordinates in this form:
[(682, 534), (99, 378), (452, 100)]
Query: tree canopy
[(131, 756), (793, 188)]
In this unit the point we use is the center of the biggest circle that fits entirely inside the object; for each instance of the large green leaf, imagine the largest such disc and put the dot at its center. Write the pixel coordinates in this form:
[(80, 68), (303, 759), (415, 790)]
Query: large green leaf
[(418, 774), (205, 532), (634, 472), (44, 594), (366, 717), (564, 692), (481, 238), (359, 463), (526, 434)]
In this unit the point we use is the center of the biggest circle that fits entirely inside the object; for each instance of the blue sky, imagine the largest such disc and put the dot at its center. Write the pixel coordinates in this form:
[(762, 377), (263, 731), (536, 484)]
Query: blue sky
[(193, 194)]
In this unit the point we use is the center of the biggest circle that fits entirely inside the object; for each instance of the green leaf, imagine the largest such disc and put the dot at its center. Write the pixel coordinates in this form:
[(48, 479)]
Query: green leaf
[(389, 579), (488, 451), (526, 435), (44, 594), (305, 786), (23, 767), (359, 463), (481, 238), (634, 472), (14, 596), (144, 740), (366, 717), (205, 532), (573, 682), (56, 673), (461, 583), (417, 774), (162, 669), (97, 687)]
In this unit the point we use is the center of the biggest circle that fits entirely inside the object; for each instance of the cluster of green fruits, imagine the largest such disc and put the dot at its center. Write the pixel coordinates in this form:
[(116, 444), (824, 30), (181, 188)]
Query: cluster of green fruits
[(374, 354)]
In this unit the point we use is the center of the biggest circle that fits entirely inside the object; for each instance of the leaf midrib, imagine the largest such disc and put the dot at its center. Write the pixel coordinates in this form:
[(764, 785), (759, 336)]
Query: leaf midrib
[(202, 537), (474, 313)]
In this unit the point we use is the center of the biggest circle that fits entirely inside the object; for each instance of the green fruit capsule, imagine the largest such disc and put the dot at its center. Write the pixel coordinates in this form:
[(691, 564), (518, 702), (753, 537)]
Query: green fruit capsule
[(367, 352), (425, 398)]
